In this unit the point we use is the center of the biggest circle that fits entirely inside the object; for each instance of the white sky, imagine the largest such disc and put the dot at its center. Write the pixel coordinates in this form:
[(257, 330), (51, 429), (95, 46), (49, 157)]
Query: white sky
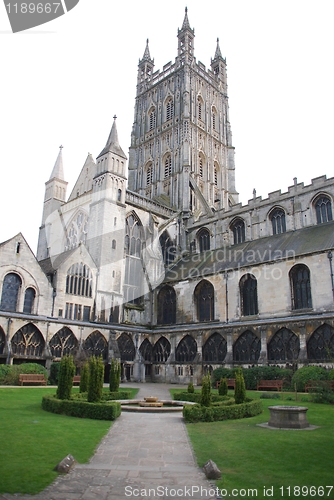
[(62, 82)]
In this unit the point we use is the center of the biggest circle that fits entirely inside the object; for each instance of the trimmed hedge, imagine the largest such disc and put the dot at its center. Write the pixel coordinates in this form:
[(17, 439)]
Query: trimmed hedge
[(81, 409), (197, 413), (254, 374), (195, 397), (9, 374)]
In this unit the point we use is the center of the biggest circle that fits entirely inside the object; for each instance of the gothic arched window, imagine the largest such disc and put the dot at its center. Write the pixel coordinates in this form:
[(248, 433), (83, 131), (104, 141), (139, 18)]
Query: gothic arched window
[(214, 115), (10, 292), (166, 306), (300, 287), (96, 345), (186, 350), (168, 166), (204, 300), (28, 341), (146, 351), (199, 107), (247, 348), (203, 238), (63, 342), (149, 175), (152, 118), (29, 299), (238, 229), (169, 109), (76, 232), (284, 346), (277, 218), (161, 350), (248, 295), (214, 349), (126, 347), (79, 280), (134, 274), (168, 248), (200, 163), (323, 209), (320, 346)]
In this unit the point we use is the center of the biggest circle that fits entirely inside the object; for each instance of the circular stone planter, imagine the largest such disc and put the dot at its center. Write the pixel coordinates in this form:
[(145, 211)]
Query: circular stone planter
[(134, 405), (288, 417)]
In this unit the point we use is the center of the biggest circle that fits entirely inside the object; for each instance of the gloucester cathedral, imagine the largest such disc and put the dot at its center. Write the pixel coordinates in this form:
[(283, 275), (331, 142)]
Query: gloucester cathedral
[(152, 259)]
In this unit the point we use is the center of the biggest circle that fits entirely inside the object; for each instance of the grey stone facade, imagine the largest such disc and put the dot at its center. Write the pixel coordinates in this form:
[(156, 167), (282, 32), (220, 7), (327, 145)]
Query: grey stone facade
[(170, 273)]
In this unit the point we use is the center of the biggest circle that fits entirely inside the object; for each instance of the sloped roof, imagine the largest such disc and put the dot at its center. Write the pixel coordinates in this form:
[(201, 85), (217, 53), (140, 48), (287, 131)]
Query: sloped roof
[(289, 245)]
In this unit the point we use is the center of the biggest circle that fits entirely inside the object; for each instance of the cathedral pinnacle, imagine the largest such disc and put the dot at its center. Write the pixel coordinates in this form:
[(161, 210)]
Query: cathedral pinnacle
[(218, 51), (58, 169), (112, 144)]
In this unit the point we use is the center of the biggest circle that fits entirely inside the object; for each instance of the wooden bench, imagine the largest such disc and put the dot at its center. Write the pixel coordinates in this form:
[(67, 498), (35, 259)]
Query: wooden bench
[(270, 384), (230, 383), (31, 378), (314, 384), (76, 380)]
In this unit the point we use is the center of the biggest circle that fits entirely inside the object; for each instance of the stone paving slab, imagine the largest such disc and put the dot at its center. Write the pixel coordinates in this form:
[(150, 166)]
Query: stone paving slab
[(143, 455)]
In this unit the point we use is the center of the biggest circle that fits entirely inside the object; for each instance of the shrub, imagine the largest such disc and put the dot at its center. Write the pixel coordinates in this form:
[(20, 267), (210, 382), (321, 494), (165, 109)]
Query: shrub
[(331, 374), (115, 375), (84, 377), (322, 394), (256, 373), (240, 390), (206, 391), (65, 378), (220, 373), (96, 376), (191, 388), (9, 374), (306, 373), (82, 409), (196, 397), (223, 388), (54, 373), (198, 413)]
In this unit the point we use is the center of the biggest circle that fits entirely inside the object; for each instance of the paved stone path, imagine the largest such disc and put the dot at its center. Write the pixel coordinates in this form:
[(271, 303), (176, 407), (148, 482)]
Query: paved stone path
[(143, 455)]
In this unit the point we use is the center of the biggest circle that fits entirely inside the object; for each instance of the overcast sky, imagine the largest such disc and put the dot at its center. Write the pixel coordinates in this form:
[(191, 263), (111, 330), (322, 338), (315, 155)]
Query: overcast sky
[(61, 83)]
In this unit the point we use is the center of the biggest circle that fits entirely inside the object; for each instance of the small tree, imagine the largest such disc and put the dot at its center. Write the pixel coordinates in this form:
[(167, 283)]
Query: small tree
[(65, 377), (84, 377), (240, 389), (191, 388), (223, 387), (95, 383), (115, 375), (206, 391)]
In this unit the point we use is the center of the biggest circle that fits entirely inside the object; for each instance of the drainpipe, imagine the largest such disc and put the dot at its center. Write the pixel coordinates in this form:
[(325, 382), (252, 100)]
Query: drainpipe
[(226, 295), (9, 322), (330, 258)]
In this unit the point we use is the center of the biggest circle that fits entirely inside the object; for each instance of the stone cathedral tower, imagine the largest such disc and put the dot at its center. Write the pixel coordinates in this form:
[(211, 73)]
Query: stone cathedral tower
[(181, 152)]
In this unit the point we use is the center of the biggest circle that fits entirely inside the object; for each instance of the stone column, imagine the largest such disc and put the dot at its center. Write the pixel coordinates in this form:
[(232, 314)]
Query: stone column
[(229, 354), (263, 359), (302, 356)]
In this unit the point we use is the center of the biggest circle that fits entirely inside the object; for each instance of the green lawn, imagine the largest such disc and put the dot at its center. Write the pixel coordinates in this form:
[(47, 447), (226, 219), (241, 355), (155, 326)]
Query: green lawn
[(251, 457), (34, 441)]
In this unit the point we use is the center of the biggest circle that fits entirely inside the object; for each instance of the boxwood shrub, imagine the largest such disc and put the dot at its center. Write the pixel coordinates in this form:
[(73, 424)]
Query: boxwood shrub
[(9, 374), (195, 397), (81, 409), (197, 413)]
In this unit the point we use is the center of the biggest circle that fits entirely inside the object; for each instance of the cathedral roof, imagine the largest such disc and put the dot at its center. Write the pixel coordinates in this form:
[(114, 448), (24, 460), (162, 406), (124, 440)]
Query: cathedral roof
[(58, 169), (267, 250), (112, 145)]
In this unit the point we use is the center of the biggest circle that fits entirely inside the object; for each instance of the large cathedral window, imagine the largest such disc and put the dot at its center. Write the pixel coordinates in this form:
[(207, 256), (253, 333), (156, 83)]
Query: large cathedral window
[(149, 175), (277, 218), (166, 306), (186, 350), (134, 275), (10, 292), (248, 295), (76, 232), (168, 248), (204, 299), (300, 287), (214, 349), (79, 280), (238, 229), (323, 209), (203, 238), (29, 299), (284, 346), (161, 350)]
